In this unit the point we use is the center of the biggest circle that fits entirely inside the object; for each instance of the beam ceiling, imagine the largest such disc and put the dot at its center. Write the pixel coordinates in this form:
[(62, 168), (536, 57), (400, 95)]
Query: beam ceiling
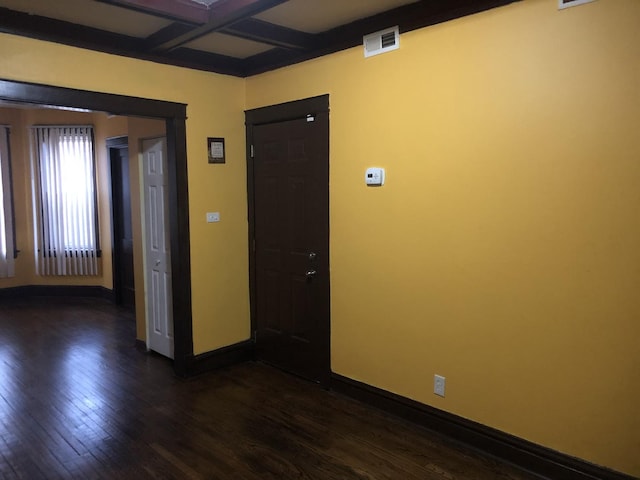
[(192, 20)]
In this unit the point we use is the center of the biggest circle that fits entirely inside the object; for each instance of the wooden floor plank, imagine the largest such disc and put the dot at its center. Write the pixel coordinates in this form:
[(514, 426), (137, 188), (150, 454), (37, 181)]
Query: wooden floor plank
[(77, 400)]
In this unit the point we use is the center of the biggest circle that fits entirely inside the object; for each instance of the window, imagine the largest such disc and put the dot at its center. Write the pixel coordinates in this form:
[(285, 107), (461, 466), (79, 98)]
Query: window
[(7, 232), (64, 190)]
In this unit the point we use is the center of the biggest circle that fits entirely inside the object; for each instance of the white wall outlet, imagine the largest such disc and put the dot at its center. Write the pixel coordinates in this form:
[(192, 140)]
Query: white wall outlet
[(438, 385), (213, 217)]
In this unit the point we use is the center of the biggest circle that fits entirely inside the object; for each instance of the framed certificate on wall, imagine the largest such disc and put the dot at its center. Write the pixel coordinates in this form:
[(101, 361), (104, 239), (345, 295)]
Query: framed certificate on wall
[(216, 149)]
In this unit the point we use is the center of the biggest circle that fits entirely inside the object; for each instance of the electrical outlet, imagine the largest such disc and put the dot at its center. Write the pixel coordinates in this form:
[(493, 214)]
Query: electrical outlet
[(438, 385), (213, 217)]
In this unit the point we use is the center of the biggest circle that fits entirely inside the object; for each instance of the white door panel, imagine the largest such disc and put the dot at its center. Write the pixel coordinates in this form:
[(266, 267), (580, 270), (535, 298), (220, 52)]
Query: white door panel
[(158, 260)]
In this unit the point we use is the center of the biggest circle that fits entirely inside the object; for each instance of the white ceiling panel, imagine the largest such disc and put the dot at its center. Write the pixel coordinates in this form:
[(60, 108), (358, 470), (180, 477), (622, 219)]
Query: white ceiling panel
[(228, 45)]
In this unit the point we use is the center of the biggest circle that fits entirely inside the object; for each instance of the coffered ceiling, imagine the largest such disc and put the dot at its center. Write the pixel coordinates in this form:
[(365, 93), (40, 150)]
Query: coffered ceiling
[(236, 37)]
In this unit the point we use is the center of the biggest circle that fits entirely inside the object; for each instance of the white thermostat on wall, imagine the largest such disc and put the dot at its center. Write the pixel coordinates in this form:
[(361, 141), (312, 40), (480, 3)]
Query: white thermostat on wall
[(374, 177)]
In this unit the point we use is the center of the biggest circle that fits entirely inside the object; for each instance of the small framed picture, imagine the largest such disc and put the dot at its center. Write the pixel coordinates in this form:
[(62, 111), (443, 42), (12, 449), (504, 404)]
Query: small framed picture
[(215, 146)]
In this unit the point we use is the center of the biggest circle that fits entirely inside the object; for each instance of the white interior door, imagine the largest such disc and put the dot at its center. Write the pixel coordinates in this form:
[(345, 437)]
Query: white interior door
[(157, 254)]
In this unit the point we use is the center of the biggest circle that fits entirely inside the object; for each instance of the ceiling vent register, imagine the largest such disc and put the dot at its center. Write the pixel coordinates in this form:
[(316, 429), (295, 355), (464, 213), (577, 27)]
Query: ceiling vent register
[(381, 42)]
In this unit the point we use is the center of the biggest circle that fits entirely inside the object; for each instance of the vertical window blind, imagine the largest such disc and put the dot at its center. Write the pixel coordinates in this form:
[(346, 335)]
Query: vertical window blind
[(64, 190), (7, 234)]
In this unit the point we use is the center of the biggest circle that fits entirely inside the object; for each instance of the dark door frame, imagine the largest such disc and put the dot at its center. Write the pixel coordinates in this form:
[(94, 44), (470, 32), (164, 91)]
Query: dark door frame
[(115, 143), (175, 116), (273, 114)]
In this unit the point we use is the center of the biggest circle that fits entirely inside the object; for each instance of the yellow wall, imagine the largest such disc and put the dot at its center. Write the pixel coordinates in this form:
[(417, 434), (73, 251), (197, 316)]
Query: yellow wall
[(220, 297), (503, 250), (501, 253)]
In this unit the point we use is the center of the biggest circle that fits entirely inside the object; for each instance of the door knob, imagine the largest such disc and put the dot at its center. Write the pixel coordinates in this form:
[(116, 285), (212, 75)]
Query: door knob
[(157, 263), (310, 274)]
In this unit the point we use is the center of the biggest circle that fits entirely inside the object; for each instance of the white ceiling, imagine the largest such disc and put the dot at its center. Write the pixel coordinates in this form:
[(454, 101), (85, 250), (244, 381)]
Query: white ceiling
[(227, 45)]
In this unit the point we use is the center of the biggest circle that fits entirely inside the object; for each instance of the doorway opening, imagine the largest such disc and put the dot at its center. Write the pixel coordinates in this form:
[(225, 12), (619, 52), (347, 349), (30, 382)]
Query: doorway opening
[(174, 115)]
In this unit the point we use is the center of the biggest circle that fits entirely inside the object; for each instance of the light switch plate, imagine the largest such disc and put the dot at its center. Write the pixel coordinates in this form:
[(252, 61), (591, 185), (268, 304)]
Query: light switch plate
[(438, 385), (213, 217)]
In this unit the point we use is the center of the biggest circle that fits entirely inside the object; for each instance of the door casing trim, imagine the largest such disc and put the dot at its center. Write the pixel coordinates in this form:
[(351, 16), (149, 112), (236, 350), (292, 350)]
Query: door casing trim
[(115, 143)]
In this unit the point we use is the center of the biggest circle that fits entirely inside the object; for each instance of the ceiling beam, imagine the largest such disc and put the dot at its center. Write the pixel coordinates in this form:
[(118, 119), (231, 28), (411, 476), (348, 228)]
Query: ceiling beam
[(248, 29), (221, 15), (265, 32), (190, 12), (167, 33)]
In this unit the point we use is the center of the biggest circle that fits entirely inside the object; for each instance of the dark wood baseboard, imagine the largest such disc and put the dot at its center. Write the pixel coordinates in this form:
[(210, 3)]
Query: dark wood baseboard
[(223, 357), (86, 291), (521, 453)]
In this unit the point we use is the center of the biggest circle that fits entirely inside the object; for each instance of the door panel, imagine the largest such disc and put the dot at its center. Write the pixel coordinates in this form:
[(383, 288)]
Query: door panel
[(157, 255), (291, 218)]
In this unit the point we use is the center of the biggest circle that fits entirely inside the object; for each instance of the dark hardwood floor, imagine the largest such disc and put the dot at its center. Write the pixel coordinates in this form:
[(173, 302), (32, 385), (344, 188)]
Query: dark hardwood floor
[(77, 400)]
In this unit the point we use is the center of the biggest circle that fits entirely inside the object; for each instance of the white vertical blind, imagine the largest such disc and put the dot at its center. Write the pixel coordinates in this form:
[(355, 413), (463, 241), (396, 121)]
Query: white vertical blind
[(64, 200), (7, 248)]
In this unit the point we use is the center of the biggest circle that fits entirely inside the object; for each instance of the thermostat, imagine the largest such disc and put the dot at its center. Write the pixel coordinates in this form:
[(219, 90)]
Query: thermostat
[(374, 176)]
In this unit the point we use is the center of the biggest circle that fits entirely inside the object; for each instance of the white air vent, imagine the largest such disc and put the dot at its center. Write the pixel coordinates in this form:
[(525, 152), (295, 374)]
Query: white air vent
[(381, 42), (571, 3)]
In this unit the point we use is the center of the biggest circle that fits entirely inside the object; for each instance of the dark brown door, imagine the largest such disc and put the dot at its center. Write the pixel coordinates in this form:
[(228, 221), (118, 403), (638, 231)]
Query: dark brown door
[(123, 283), (291, 230)]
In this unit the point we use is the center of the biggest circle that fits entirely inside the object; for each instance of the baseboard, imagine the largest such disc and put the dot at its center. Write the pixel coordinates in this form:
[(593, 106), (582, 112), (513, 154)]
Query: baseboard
[(524, 454), (82, 291), (223, 357)]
